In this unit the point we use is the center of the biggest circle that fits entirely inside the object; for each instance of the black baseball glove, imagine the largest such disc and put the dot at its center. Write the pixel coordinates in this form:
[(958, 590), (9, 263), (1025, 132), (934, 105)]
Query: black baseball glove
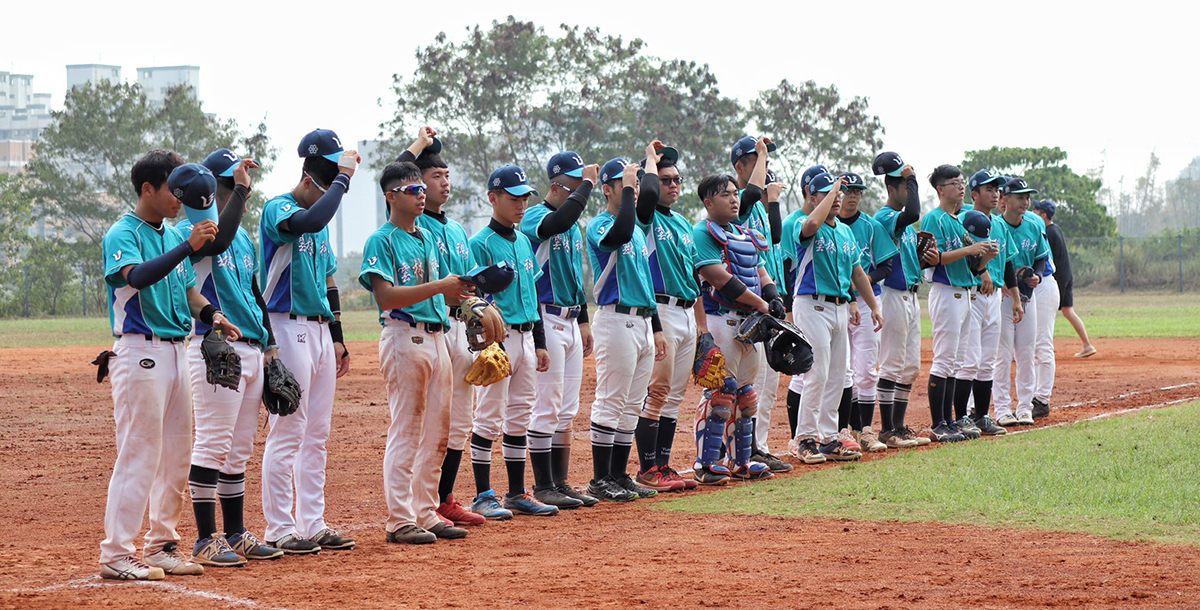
[(281, 391), (222, 365)]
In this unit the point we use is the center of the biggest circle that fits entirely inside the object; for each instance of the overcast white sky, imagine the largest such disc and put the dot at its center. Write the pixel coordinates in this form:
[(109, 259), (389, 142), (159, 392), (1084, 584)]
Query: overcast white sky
[(1108, 83)]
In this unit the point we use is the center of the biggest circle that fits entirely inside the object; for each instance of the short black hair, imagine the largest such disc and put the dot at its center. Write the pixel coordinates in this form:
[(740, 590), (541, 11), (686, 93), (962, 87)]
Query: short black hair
[(893, 182), (320, 169), (397, 172), (711, 185), (425, 162), (943, 173), (154, 167), (665, 163), (746, 158)]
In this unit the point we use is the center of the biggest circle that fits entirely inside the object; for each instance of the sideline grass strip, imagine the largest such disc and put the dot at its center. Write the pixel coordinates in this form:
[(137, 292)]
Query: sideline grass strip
[(1131, 477)]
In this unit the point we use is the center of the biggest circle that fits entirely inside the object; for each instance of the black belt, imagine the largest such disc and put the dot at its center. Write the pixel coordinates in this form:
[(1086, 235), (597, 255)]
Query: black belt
[(321, 319), (678, 302), (251, 342), (913, 289), (829, 299), (641, 312), (522, 328), (428, 326), (569, 313), (167, 339), (455, 312)]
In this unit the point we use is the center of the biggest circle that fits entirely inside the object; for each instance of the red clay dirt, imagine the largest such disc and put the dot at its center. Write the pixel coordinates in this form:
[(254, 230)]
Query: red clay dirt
[(58, 448)]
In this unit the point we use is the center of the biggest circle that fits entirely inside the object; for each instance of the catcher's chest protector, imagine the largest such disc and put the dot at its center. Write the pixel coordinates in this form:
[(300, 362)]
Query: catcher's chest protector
[(741, 259)]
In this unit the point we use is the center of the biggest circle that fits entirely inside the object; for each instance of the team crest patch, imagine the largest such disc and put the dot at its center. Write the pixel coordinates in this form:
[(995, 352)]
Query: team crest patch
[(818, 308), (559, 327), (629, 325), (300, 338), (958, 295), (418, 340), (312, 149), (146, 363)]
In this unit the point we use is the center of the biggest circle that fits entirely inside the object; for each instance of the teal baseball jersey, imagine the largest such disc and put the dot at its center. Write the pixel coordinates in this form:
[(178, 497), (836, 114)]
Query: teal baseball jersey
[(874, 241), (949, 233), (1028, 241), (622, 275), (519, 302), (672, 252), (1042, 224), (560, 259), (227, 281), (160, 309), (827, 264), (1000, 235), (790, 249), (450, 239), (908, 272), (293, 277), (757, 219), (405, 259)]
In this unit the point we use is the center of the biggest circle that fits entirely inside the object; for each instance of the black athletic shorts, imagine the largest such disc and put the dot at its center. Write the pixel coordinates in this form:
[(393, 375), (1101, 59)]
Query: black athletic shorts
[(1065, 296)]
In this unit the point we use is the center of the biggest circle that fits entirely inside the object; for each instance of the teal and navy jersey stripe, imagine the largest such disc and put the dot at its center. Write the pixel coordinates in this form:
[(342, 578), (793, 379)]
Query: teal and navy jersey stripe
[(227, 281), (622, 275), (560, 258), (160, 309), (296, 266)]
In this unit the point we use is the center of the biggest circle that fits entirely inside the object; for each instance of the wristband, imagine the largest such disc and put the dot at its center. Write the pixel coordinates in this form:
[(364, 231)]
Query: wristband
[(335, 332), (335, 300), (206, 314)]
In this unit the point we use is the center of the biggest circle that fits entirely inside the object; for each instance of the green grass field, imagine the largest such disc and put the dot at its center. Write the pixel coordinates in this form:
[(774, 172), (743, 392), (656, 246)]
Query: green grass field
[(1117, 316), (1130, 477)]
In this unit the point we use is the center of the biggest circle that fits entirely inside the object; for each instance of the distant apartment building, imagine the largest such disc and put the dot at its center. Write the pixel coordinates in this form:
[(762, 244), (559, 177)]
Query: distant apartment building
[(82, 74), (23, 116), (156, 81)]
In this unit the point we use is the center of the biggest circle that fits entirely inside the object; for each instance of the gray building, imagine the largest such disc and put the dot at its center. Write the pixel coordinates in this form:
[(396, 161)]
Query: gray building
[(23, 116), (82, 74), (156, 81)]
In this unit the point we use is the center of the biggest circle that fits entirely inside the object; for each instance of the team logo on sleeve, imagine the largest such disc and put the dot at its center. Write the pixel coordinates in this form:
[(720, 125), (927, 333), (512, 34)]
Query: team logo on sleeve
[(286, 207), (117, 255), (371, 261)]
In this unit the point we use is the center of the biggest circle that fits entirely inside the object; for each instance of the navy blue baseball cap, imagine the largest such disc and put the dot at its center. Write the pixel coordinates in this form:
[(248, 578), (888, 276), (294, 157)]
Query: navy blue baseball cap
[(492, 279), (321, 142), (821, 183), (221, 162), (888, 163), (854, 181), (771, 177), (985, 176), (196, 187), (809, 173), (512, 179), (432, 149), (977, 224), (565, 163), (615, 170), (745, 146), (1017, 185), (1046, 206)]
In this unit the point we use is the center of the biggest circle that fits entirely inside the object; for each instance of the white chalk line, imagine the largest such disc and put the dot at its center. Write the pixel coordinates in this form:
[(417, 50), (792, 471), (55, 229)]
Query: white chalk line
[(1127, 395), (92, 582), (1103, 416)]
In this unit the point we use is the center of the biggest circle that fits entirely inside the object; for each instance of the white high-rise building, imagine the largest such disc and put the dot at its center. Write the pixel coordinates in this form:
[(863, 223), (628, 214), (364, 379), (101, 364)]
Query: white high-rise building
[(156, 81), (81, 74), (23, 116)]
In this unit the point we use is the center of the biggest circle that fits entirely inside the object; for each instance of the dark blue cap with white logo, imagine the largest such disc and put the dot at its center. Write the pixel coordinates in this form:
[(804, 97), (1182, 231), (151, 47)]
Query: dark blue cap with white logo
[(745, 146), (512, 179), (809, 173), (985, 176), (1017, 185), (196, 187), (977, 224), (1046, 206), (565, 163), (492, 279), (321, 142), (821, 183), (888, 163), (615, 170), (854, 181), (221, 162)]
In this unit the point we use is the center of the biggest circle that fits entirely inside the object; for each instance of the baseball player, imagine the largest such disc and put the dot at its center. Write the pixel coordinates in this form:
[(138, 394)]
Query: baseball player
[(1047, 296), (1018, 334), (552, 228), (505, 409), (827, 267), (878, 255), (629, 335), (304, 307), (1062, 275), (790, 251), (227, 420), (949, 301), (152, 300), (731, 264), (402, 269), (454, 257), (672, 250)]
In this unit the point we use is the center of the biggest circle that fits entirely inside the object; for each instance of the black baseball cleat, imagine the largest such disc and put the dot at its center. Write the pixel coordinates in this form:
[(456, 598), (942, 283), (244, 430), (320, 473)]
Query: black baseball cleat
[(608, 489), (1040, 409), (772, 462), (571, 492), (554, 497), (628, 484)]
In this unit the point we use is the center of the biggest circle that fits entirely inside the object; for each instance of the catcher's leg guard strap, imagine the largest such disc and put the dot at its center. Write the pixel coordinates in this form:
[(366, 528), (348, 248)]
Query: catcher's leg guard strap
[(747, 401), (743, 440)]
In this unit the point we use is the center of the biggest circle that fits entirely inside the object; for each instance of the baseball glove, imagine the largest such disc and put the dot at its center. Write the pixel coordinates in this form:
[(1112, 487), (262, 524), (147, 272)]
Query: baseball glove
[(222, 365), (485, 326), (1023, 274), (709, 365), (756, 328), (490, 366), (925, 241), (281, 391)]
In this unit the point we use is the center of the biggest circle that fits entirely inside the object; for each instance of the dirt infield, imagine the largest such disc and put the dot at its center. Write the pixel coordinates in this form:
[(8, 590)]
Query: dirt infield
[(58, 449)]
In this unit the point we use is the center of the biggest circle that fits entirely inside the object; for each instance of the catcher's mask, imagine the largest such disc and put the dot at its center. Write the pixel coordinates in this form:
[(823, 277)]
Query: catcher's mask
[(788, 351)]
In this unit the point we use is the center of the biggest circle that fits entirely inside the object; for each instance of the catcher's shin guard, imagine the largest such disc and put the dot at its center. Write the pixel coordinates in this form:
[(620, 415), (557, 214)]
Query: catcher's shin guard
[(714, 411), (743, 440)]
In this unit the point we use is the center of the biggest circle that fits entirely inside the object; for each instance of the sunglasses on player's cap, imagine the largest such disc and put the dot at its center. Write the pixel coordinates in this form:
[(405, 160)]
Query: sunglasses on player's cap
[(746, 146), (321, 142), (821, 183), (887, 163), (196, 187), (1016, 186), (512, 179), (985, 176), (854, 181), (565, 163), (615, 170), (221, 162)]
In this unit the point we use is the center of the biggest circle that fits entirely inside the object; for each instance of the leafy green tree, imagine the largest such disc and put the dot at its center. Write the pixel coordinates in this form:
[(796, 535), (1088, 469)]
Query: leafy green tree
[(1080, 214)]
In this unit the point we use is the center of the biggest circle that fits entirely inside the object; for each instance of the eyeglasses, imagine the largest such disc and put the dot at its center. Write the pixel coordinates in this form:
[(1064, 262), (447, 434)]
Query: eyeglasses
[(955, 183), (563, 187), (410, 189), (316, 184), (677, 181)]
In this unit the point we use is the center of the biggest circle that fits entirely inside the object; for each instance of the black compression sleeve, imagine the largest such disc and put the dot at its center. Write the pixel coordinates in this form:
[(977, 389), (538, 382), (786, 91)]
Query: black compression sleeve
[(144, 274), (583, 314), (775, 218), (655, 323), (315, 218), (1010, 275), (649, 191), (539, 335), (750, 195), (1039, 266), (567, 214), (227, 224), (732, 289), (622, 229), (333, 295), (912, 206), (406, 156), (207, 313), (335, 333), (262, 305), (883, 270)]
